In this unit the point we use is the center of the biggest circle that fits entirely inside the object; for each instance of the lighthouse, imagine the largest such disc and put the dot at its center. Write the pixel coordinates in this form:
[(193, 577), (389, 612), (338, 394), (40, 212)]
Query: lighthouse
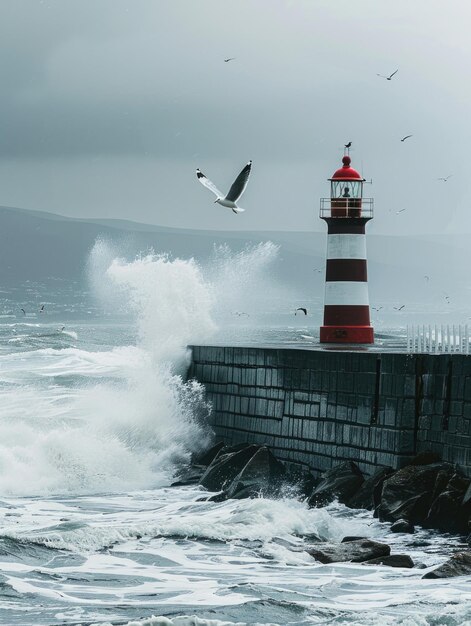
[(346, 305)]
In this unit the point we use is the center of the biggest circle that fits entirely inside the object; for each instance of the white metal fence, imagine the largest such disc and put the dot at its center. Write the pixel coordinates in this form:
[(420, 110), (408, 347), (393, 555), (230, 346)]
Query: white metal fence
[(434, 339)]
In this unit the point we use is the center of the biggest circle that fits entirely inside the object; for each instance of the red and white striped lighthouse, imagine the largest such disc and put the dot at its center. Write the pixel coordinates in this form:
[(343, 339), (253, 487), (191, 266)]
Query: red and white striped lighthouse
[(346, 305)]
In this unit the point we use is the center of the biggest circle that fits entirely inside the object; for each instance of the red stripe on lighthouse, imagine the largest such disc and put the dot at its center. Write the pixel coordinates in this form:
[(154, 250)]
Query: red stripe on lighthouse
[(346, 269), (346, 315)]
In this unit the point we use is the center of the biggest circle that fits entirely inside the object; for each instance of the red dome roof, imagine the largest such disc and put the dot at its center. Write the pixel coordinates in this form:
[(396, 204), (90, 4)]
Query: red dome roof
[(346, 172)]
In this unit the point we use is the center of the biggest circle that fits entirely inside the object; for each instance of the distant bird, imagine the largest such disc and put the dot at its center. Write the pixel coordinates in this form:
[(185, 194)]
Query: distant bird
[(241, 314), (390, 76), (24, 312), (348, 145), (399, 308), (41, 310), (377, 308), (406, 137), (445, 178), (61, 329), (234, 193), (400, 211), (301, 309), (229, 59), (427, 278), (318, 269)]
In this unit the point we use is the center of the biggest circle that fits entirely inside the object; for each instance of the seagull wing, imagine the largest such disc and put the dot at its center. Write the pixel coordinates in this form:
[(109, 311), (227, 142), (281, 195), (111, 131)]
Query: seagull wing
[(393, 73), (240, 183), (207, 183)]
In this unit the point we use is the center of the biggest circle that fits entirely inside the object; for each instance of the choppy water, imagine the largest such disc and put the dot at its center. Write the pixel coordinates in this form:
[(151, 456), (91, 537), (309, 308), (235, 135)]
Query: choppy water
[(95, 421)]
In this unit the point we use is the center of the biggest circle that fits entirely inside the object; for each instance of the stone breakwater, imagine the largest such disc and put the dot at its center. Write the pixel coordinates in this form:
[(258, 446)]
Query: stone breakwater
[(318, 408)]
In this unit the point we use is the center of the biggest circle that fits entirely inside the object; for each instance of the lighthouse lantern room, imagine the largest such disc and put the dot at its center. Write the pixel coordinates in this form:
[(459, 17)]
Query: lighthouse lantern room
[(346, 305)]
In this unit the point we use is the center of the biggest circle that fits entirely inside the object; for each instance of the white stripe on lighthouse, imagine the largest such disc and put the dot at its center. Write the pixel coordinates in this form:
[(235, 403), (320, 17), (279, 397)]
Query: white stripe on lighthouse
[(346, 246), (347, 293)]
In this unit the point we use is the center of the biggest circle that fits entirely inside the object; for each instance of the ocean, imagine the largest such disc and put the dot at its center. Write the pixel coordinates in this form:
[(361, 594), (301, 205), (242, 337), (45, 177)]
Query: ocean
[(96, 420)]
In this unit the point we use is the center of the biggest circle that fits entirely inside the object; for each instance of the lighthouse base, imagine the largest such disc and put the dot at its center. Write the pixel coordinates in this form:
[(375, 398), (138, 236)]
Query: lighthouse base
[(347, 334)]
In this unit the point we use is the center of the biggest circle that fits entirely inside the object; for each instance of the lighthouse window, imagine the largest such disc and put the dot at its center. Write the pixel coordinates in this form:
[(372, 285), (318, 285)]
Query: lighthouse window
[(346, 189)]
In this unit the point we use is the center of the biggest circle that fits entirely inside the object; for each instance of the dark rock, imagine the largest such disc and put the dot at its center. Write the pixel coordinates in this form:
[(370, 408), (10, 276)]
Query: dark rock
[(341, 482), (427, 457), (393, 560), (260, 475), (458, 565), (407, 494), (189, 476), (467, 495), (353, 551), (368, 495), (217, 497), (402, 526), (302, 480), (447, 511), (348, 538), (206, 458), (226, 467)]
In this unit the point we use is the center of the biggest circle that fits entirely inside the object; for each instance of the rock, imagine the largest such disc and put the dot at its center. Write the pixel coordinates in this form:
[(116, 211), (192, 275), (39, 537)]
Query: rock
[(369, 494), (302, 480), (402, 526), (467, 495), (447, 511), (458, 565), (208, 457), (393, 560), (349, 538), (226, 467), (408, 493), (353, 551), (261, 474), (427, 457), (341, 482), (189, 476)]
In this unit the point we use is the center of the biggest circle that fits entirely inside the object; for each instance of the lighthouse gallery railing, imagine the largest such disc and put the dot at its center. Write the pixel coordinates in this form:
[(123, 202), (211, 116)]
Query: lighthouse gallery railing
[(346, 207)]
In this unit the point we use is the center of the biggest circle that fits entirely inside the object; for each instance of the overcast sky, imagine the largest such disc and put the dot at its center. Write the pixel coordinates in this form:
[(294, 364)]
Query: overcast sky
[(108, 106)]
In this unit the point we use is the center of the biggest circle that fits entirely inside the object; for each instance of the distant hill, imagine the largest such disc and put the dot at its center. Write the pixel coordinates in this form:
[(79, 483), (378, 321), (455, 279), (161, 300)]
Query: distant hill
[(36, 245)]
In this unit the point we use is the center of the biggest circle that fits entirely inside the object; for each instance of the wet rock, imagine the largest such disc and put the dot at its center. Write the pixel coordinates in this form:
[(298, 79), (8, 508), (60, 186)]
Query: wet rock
[(448, 512), (351, 538), (189, 476), (458, 565), (206, 458), (261, 475), (302, 480), (408, 493), (225, 467), (393, 560), (427, 457), (368, 495), (342, 482), (402, 526), (353, 551)]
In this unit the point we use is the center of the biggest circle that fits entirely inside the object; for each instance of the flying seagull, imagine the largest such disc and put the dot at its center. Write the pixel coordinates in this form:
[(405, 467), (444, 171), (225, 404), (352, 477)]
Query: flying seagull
[(399, 308), (400, 211), (445, 178), (377, 308), (229, 59), (234, 193), (348, 145), (41, 310), (388, 77), (406, 137), (301, 309), (24, 312)]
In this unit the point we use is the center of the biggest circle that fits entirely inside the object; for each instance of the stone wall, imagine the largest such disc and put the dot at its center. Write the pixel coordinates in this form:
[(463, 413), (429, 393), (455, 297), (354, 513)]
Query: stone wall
[(320, 407)]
